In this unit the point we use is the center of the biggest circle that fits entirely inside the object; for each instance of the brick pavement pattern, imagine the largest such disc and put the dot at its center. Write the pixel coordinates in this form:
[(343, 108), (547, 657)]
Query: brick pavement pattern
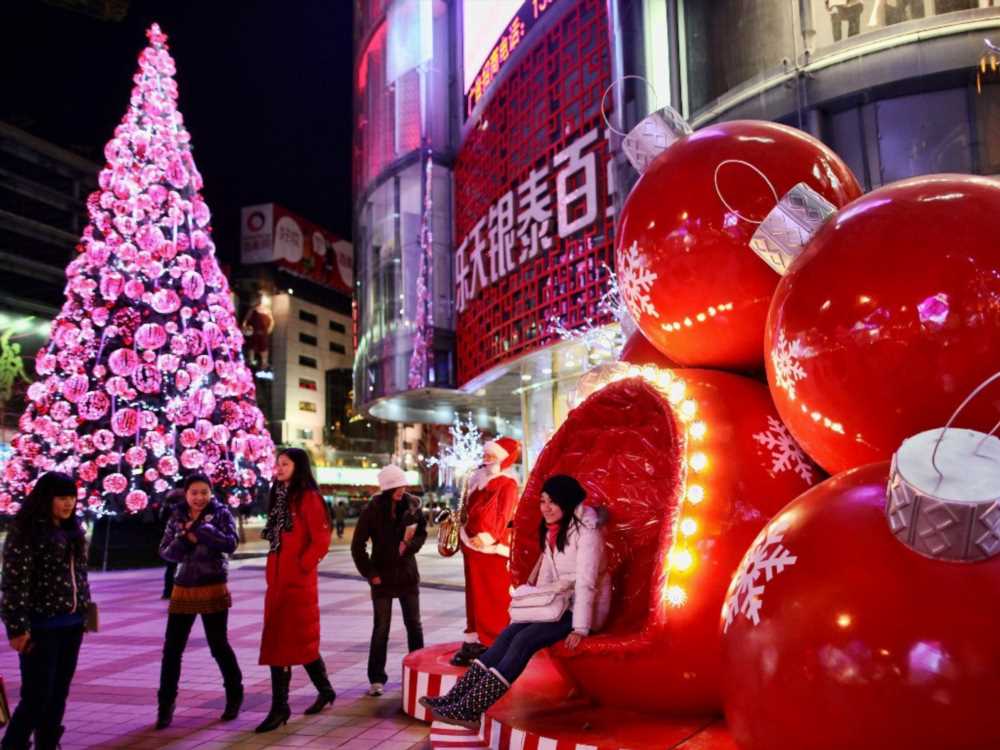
[(112, 703)]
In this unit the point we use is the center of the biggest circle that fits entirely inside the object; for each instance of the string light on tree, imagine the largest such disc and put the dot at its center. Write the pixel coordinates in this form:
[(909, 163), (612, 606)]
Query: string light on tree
[(143, 380)]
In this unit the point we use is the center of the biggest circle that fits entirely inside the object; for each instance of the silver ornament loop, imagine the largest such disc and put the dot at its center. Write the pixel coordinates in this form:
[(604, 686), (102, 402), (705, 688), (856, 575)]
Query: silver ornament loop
[(604, 112), (718, 192)]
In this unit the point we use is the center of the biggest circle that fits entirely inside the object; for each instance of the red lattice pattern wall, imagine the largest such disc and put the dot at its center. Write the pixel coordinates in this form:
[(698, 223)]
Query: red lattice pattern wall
[(550, 99)]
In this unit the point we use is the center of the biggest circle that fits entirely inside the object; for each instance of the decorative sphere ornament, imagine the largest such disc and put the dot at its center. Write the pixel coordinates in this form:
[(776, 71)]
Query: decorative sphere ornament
[(685, 269), (192, 458), (166, 301), (115, 483), (123, 361), (638, 351), (150, 336), (93, 405), (168, 466), (851, 625), (870, 341), (136, 500), (74, 387), (202, 403), (689, 464), (124, 422)]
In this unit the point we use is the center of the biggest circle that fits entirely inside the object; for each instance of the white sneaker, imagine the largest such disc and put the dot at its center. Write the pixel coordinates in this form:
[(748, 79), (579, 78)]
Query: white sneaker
[(376, 689)]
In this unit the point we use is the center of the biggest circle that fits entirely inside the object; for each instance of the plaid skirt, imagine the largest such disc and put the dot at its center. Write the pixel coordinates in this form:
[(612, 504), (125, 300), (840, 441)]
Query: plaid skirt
[(199, 600)]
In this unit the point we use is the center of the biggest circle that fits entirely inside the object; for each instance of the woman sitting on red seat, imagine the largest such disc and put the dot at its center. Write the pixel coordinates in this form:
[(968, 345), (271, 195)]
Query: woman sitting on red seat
[(572, 561)]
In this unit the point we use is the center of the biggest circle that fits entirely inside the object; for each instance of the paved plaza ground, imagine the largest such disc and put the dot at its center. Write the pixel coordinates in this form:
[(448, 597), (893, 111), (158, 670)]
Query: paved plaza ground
[(113, 700)]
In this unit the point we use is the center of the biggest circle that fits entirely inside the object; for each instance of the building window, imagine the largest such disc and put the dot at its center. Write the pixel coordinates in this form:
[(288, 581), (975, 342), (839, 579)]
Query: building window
[(307, 362), (338, 348), (307, 406), (308, 317), (305, 338), (337, 327), (309, 385)]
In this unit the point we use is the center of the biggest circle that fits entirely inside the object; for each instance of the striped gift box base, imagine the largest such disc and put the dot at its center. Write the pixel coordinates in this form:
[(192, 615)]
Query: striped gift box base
[(445, 736), (427, 672)]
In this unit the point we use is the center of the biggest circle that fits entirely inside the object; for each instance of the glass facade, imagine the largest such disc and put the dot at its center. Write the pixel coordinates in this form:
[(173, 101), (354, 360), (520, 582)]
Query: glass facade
[(403, 198)]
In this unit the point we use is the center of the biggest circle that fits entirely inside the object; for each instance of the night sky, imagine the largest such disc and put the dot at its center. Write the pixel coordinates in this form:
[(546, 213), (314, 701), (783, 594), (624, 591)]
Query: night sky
[(265, 89)]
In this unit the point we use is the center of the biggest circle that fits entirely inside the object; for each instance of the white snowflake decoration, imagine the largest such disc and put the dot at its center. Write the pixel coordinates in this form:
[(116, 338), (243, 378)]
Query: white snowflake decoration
[(787, 369), (600, 340), (465, 453), (786, 455), (746, 592), (635, 282)]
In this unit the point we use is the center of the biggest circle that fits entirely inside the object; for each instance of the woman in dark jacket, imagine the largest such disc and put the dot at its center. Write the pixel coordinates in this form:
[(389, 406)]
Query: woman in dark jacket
[(45, 600), (397, 528), (199, 536), (298, 528)]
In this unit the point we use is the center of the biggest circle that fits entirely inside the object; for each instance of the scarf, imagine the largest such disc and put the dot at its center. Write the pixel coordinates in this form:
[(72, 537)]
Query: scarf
[(279, 517), (551, 532)]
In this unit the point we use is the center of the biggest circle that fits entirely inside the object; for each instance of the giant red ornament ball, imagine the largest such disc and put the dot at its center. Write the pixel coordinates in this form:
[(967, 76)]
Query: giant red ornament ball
[(843, 637), (888, 319), (688, 479), (691, 282)]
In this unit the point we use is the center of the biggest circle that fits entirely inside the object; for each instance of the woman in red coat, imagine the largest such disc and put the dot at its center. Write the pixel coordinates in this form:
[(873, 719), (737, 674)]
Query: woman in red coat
[(298, 529)]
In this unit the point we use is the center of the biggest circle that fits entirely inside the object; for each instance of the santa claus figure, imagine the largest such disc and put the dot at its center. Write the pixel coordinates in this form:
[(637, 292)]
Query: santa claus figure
[(491, 496)]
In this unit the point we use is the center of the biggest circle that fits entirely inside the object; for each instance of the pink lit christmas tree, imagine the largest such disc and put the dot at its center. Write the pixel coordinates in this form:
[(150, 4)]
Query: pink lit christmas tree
[(143, 379)]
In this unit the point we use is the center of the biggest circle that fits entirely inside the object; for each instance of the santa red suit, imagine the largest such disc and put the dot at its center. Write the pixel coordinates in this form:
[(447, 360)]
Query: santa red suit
[(492, 497)]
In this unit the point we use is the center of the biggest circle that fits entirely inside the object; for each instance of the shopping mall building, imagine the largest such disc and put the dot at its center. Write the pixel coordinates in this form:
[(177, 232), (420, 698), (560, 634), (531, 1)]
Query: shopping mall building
[(488, 167)]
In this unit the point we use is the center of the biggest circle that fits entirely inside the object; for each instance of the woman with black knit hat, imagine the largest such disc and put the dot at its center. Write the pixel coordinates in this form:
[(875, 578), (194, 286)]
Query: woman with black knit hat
[(571, 566)]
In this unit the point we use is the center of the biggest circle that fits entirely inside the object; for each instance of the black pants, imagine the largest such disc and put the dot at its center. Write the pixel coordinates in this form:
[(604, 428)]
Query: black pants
[(46, 673), (519, 641), (340, 529), (178, 630), (410, 604)]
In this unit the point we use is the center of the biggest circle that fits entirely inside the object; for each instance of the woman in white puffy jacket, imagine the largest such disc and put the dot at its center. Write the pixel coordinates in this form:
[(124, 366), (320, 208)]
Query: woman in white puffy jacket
[(572, 563)]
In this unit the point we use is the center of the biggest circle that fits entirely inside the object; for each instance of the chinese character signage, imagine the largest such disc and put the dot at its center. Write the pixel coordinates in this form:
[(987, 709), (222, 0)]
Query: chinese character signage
[(272, 234), (526, 17), (534, 213)]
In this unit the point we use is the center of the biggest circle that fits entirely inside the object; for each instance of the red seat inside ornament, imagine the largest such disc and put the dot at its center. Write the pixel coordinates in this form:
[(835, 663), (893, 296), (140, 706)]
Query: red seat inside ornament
[(625, 447)]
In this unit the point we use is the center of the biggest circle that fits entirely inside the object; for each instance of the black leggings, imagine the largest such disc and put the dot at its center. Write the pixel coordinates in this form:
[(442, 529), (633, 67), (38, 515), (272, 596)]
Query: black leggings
[(46, 672), (178, 630)]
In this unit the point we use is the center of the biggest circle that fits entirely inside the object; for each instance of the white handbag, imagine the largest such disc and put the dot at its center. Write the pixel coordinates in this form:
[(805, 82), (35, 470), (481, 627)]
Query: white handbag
[(548, 603)]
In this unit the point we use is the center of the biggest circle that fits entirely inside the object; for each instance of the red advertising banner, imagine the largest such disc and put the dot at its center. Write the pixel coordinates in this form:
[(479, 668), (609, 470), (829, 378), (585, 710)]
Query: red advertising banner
[(534, 216), (272, 234)]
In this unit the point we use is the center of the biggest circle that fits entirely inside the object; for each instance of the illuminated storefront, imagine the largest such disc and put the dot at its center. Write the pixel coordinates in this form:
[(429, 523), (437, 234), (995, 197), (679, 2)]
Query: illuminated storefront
[(526, 222)]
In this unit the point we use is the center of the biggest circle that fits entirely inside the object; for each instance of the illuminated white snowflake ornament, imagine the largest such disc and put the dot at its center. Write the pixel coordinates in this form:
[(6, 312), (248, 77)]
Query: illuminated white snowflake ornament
[(636, 282), (766, 557), (785, 452), (455, 461)]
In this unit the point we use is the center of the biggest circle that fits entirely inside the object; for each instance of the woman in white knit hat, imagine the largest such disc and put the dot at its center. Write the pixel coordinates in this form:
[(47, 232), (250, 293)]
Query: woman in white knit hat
[(397, 529)]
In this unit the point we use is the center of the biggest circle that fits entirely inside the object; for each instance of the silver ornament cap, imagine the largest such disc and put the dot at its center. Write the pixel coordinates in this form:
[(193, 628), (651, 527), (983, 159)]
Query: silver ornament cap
[(654, 134), (783, 234), (944, 495)]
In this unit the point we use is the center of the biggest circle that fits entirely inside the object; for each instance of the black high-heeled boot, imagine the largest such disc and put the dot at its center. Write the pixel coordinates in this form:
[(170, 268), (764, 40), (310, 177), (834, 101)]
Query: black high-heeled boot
[(234, 701), (164, 709), (327, 695), (281, 678)]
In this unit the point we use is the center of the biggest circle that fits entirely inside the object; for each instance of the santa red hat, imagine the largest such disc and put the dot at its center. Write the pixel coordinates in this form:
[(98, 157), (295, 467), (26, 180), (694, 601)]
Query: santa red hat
[(506, 449)]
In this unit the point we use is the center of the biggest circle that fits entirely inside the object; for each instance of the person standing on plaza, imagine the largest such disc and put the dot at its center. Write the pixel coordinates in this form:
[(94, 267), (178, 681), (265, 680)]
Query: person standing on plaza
[(200, 535), (46, 598), (394, 523), (340, 518), (298, 529)]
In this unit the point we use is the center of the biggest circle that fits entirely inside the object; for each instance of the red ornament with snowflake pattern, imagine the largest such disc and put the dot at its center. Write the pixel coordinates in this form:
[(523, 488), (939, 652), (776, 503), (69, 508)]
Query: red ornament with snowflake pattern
[(682, 255)]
